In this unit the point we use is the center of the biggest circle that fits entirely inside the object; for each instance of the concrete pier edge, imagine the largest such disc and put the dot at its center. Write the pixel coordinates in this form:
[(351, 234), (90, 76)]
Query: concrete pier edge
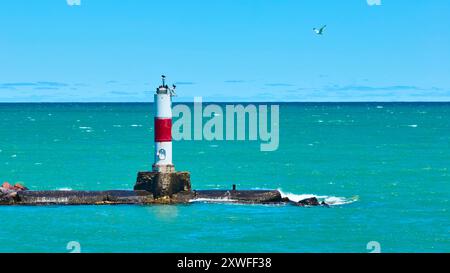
[(150, 188)]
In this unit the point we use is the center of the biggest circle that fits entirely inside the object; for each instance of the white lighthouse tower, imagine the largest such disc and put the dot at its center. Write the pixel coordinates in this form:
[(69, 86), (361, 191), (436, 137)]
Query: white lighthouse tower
[(165, 184), (163, 128)]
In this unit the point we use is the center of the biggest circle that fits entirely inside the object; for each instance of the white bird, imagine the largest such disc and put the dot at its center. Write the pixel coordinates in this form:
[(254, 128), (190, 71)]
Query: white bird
[(319, 31)]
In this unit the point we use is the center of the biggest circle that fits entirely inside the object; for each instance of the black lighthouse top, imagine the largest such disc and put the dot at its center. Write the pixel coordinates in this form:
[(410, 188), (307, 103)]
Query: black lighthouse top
[(164, 88), (163, 77)]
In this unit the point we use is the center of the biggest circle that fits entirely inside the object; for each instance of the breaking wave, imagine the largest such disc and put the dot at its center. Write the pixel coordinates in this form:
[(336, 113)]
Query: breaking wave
[(64, 189), (212, 200), (330, 200)]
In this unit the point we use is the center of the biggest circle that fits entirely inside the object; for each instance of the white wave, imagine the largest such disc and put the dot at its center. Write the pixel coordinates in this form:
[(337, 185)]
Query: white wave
[(329, 200), (261, 189), (212, 200), (136, 125), (413, 125), (64, 189), (86, 129), (52, 200)]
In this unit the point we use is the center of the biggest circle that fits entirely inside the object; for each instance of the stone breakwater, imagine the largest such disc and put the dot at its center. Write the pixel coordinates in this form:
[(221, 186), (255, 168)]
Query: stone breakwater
[(149, 189), (117, 197)]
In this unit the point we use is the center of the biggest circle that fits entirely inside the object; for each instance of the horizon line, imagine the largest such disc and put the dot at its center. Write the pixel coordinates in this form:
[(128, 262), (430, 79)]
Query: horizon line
[(145, 102)]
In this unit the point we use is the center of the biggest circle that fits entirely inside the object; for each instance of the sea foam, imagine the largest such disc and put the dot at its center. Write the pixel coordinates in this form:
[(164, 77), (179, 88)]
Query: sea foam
[(329, 200), (212, 200)]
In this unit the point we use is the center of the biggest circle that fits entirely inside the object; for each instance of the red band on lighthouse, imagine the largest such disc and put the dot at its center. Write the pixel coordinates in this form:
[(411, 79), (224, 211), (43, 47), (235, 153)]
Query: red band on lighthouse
[(163, 129)]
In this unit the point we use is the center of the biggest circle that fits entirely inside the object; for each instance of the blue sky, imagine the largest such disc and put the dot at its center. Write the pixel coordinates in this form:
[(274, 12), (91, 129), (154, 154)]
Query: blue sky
[(225, 50)]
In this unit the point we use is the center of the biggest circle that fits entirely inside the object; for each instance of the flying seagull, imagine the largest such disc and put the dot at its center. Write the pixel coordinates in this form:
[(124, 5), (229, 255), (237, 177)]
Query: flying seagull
[(320, 30)]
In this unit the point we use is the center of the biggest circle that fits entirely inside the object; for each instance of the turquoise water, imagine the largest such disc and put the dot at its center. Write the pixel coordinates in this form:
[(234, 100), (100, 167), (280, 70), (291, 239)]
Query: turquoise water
[(389, 162)]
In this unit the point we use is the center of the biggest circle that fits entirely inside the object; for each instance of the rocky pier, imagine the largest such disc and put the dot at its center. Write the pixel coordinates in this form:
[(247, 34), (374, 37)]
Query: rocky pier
[(151, 188)]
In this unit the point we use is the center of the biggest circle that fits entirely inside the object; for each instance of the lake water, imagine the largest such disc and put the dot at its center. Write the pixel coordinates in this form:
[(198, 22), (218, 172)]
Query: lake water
[(385, 166)]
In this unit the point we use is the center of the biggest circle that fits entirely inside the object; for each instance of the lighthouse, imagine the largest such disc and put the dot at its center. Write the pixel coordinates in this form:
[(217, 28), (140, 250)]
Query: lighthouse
[(163, 128), (163, 181)]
